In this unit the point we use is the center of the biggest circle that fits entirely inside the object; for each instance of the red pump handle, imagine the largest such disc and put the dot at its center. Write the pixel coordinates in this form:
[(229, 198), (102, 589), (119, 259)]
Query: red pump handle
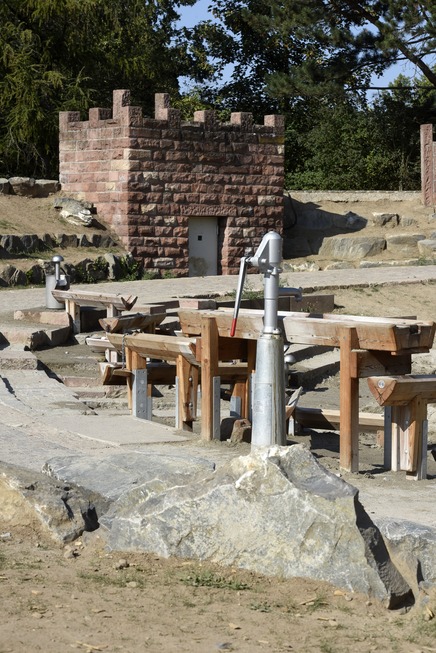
[(241, 279)]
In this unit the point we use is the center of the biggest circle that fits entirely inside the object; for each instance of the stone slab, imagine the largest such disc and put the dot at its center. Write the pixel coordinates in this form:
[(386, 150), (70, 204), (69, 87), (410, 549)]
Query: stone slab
[(116, 429)]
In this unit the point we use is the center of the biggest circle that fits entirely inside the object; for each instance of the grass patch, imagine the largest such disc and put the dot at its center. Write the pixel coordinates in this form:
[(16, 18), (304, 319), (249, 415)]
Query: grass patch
[(264, 606), (317, 603), (112, 580), (209, 579)]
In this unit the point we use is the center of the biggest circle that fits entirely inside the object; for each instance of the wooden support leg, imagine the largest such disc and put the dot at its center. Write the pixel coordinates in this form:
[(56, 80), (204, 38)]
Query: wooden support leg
[(251, 368), (111, 311), (209, 371), (133, 362), (187, 384), (409, 438), (348, 403), (73, 311)]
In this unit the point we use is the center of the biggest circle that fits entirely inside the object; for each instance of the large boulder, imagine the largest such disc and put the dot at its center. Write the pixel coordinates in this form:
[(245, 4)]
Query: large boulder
[(352, 248), (276, 511), (27, 497), (74, 211)]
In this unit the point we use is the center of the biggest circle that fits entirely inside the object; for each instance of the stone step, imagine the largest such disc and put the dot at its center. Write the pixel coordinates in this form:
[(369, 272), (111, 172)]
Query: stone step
[(34, 336), (57, 318), (100, 392), (81, 382), (116, 404), (303, 352), (308, 372), (13, 358)]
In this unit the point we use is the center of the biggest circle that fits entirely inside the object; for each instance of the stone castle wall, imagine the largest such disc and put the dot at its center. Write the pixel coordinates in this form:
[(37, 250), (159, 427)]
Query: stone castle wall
[(149, 176)]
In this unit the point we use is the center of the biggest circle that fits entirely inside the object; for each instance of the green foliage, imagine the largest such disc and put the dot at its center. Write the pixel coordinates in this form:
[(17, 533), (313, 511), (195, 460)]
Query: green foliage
[(285, 50), (209, 579), (358, 145), (71, 55), (131, 269)]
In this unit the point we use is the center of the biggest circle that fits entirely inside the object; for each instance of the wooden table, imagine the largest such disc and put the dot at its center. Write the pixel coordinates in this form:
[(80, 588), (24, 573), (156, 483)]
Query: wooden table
[(368, 346)]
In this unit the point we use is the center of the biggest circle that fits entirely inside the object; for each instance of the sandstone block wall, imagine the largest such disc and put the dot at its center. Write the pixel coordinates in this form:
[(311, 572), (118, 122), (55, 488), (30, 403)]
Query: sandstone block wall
[(428, 165), (149, 176)]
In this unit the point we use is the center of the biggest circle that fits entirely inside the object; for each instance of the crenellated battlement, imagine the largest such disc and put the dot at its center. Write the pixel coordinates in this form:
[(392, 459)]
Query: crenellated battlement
[(124, 114), (150, 177)]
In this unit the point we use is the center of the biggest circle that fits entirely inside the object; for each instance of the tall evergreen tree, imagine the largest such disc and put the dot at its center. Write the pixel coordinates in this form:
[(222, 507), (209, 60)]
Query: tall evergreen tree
[(285, 49), (70, 54)]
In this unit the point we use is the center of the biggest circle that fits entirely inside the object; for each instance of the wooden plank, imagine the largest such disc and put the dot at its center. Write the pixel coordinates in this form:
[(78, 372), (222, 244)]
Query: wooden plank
[(329, 419), (99, 345), (348, 404), (209, 370), (378, 334), (154, 345), (89, 298), (397, 391), (133, 321)]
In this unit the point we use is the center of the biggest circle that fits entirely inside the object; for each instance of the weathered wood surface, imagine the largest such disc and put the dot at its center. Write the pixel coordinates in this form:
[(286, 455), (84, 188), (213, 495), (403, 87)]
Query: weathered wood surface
[(128, 322), (398, 391), (379, 334), (99, 344), (329, 419), (154, 345), (372, 363), (88, 298)]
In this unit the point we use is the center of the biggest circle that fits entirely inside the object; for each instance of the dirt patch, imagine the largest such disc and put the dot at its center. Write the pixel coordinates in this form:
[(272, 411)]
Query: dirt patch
[(86, 599), (25, 215)]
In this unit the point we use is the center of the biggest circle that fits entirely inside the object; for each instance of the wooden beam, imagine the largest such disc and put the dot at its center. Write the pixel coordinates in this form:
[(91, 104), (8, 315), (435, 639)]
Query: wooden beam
[(380, 334), (329, 419), (123, 323), (397, 391), (155, 345), (371, 363), (89, 298)]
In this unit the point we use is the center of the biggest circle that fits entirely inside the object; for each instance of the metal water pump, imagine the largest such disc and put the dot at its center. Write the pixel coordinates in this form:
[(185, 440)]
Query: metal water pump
[(57, 281), (268, 406)]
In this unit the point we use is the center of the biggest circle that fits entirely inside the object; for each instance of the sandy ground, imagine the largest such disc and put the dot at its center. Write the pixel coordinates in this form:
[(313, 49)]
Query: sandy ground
[(83, 598)]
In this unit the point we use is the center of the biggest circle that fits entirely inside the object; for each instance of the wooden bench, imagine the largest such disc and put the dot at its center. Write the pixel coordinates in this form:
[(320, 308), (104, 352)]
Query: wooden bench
[(406, 433), (136, 321), (137, 348), (75, 299)]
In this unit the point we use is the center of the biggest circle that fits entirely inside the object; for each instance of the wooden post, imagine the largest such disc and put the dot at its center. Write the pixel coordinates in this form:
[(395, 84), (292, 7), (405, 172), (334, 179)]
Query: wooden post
[(209, 370), (73, 310), (348, 402), (133, 362), (187, 376)]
